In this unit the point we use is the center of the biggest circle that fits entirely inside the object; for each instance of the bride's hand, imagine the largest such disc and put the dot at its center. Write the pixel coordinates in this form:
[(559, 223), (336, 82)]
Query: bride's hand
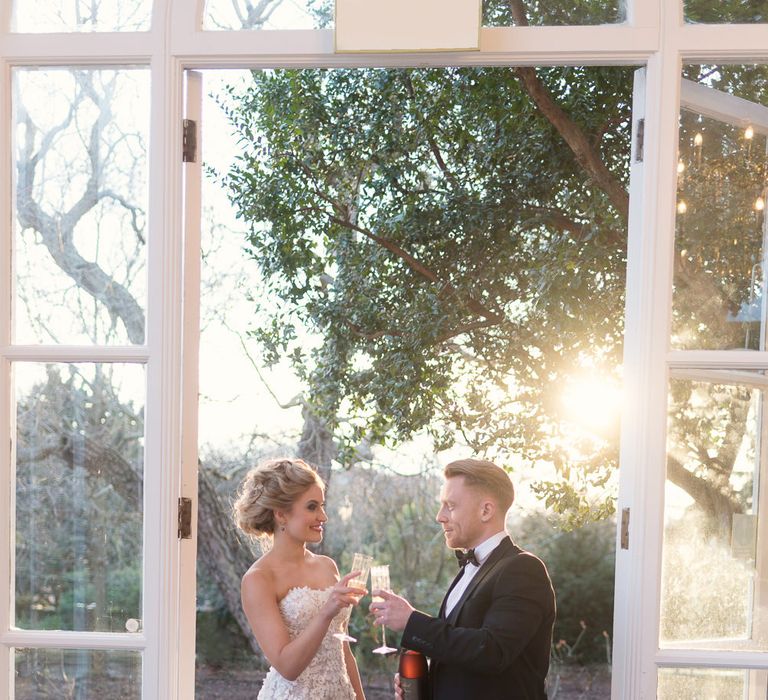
[(342, 595)]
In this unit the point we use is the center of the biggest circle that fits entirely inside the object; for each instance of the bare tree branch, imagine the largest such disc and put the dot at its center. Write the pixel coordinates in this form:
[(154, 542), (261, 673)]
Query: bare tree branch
[(57, 232)]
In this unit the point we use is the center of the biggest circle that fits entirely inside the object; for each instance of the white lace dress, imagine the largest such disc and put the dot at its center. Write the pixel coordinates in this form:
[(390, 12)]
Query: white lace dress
[(326, 676)]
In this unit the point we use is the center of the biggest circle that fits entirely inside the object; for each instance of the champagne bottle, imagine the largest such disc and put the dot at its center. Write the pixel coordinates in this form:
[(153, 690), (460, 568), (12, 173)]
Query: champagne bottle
[(413, 675)]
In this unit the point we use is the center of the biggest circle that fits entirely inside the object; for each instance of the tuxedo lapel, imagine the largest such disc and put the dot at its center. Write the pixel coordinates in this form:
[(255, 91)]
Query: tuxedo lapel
[(448, 592), (504, 547)]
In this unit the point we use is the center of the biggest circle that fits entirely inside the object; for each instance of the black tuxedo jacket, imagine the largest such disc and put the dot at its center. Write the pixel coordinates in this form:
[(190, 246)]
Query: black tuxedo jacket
[(495, 644)]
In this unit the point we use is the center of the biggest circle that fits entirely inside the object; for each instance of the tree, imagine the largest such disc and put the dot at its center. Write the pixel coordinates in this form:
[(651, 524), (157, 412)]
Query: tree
[(454, 257), (454, 241), (79, 463)]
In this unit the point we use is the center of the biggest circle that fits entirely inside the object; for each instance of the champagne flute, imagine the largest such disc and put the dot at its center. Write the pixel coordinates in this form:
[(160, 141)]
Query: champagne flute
[(380, 581), (361, 563)]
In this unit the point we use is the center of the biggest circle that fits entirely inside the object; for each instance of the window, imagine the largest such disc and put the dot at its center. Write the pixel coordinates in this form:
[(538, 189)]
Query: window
[(40, 16)]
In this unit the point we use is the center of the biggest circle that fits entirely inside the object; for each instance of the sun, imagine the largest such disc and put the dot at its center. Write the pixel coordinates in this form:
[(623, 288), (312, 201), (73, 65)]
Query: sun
[(593, 402)]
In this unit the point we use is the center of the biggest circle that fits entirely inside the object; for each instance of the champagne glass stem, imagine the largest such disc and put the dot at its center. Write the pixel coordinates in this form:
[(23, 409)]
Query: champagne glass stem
[(362, 564), (380, 580)]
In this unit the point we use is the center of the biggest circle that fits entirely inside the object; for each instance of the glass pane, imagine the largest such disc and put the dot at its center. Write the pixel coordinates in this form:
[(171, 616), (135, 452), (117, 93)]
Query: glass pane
[(710, 683), (719, 280), (268, 14), (717, 11), (502, 13), (84, 674), (79, 475), (81, 141), (81, 15), (715, 558)]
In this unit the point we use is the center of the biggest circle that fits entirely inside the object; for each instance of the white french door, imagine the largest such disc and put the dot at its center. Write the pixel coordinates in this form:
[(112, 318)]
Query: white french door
[(91, 358), (691, 608)]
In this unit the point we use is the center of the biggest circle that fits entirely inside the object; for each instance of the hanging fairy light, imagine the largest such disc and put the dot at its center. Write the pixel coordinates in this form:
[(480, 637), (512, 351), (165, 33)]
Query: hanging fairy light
[(682, 207), (697, 141), (749, 133), (759, 204), (680, 167)]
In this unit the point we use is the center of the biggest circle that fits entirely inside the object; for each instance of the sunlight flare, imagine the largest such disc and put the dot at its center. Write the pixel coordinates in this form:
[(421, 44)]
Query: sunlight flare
[(592, 402)]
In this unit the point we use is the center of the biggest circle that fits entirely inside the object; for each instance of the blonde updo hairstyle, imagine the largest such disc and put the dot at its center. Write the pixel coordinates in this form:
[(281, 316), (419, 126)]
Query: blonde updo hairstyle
[(272, 485)]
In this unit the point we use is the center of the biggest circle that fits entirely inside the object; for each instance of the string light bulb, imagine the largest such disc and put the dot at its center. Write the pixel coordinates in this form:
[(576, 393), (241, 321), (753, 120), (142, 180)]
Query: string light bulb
[(682, 207), (749, 133), (680, 167), (698, 139), (759, 204)]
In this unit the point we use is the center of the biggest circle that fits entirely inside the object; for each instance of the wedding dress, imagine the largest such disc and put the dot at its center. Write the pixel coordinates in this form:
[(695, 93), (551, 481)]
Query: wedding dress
[(325, 678)]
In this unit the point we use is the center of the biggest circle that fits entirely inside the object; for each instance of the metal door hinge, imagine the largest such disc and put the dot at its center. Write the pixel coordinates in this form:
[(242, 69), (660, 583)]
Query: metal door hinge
[(185, 518), (639, 140), (189, 141), (625, 528)]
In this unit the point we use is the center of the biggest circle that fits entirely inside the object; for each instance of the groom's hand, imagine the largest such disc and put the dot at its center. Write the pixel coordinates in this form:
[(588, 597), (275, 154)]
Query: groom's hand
[(393, 611)]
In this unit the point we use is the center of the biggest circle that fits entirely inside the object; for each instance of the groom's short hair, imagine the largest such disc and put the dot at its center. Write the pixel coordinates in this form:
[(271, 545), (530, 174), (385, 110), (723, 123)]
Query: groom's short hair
[(486, 476)]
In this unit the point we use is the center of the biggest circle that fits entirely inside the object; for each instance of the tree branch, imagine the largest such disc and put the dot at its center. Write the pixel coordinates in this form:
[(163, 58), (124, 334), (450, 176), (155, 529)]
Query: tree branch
[(433, 147), (472, 304), (716, 502), (57, 233), (577, 140), (519, 16)]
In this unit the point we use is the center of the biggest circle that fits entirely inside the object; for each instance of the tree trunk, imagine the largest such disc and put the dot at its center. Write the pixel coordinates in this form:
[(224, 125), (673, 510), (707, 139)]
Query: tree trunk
[(226, 552), (316, 445)]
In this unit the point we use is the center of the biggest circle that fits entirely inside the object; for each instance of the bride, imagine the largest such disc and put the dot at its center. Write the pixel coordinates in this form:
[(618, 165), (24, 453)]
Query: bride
[(293, 598)]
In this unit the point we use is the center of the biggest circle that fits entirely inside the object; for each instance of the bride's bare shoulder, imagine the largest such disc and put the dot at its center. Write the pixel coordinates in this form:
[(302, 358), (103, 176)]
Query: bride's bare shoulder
[(260, 576), (325, 564)]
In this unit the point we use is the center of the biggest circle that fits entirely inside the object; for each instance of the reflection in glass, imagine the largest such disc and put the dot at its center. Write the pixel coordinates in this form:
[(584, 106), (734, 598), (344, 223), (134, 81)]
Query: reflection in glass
[(715, 560), (721, 683), (54, 674), (38, 16), (79, 484), (80, 210), (502, 13), (719, 278), (719, 12), (268, 14)]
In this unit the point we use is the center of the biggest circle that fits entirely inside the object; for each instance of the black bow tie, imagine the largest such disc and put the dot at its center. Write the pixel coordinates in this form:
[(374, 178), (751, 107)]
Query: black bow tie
[(467, 557)]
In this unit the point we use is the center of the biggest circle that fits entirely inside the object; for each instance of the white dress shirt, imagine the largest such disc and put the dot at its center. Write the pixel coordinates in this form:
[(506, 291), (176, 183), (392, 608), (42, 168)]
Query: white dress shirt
[(482, 552)]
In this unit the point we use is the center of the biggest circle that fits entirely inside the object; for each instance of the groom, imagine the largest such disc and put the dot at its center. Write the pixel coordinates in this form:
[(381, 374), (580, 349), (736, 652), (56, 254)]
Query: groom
[(493, 634)]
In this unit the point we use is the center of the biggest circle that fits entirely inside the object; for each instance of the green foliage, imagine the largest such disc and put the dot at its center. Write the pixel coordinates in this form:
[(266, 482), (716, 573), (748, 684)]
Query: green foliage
[(726, 11), (581, 564), (498, 13), (435, 258), (220, 641)]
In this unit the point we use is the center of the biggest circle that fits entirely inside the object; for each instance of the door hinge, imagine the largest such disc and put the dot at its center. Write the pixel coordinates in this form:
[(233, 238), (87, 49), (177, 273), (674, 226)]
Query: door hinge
[(625, 528), (189, 141), (639, 140), (185, 518)]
